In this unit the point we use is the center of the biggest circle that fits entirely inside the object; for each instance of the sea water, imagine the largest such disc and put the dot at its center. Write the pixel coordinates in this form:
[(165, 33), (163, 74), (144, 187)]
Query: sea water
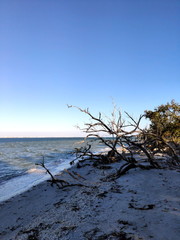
[(19, 156)]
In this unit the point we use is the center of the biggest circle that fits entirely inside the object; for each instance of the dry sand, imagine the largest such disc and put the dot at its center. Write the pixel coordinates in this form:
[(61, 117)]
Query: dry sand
[(143, 204)]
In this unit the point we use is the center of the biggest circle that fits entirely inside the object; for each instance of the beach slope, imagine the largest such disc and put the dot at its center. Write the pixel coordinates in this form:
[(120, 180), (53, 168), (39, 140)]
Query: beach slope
[(143, 204)]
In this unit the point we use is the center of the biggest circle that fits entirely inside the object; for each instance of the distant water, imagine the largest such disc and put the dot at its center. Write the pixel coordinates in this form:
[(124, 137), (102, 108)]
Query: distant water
[(18, 157)]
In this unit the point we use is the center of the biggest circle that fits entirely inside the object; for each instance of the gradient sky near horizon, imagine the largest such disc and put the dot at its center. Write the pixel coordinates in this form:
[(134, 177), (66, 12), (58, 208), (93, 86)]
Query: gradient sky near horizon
[(85, 53)]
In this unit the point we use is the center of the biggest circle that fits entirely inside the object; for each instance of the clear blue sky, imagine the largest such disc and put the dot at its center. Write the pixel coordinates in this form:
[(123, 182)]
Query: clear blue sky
[(85, 53)]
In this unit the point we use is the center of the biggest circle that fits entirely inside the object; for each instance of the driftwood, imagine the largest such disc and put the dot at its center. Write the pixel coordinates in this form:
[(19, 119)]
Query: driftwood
[(77, 174), (125, 168), (145, 207), (64, 184), (72, 175), (53, 179)]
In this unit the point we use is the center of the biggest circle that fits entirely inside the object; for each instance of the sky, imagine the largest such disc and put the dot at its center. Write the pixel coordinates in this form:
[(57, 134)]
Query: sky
[(88, 53)]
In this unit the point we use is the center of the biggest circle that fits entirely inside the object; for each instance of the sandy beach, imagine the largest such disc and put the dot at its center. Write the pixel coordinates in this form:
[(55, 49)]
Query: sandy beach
[(141, 205)]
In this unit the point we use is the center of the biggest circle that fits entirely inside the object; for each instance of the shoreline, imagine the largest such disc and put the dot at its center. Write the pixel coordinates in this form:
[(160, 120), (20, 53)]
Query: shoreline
[(33, 177), (143, 204)]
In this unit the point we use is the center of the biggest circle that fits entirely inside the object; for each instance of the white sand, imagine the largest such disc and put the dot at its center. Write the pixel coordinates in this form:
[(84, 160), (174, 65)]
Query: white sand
[(102, 210)]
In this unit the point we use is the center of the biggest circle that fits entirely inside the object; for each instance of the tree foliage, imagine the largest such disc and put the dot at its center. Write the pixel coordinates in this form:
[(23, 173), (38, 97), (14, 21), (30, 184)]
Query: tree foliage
[(165, 121)]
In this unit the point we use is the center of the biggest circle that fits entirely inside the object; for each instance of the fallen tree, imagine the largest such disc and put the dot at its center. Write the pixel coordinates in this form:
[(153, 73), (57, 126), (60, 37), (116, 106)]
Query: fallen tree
[(125, 139)]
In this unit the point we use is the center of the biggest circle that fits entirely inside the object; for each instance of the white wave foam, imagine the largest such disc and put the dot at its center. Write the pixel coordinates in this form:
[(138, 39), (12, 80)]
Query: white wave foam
[(18, 185), (35, 170)]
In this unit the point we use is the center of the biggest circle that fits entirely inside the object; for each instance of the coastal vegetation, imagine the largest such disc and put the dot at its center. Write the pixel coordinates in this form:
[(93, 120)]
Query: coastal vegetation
[(164, 129), (158, 145)]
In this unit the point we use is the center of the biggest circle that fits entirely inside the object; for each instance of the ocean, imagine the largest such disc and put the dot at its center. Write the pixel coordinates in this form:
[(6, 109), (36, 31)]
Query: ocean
[(18, 158)]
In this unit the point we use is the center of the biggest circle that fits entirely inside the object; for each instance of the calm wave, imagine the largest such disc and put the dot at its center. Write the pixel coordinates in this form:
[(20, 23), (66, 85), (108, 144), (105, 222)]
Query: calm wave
[(18, 157)]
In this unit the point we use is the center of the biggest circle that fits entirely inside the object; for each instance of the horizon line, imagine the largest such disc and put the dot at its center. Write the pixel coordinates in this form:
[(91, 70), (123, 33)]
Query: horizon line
[(41, 137)]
